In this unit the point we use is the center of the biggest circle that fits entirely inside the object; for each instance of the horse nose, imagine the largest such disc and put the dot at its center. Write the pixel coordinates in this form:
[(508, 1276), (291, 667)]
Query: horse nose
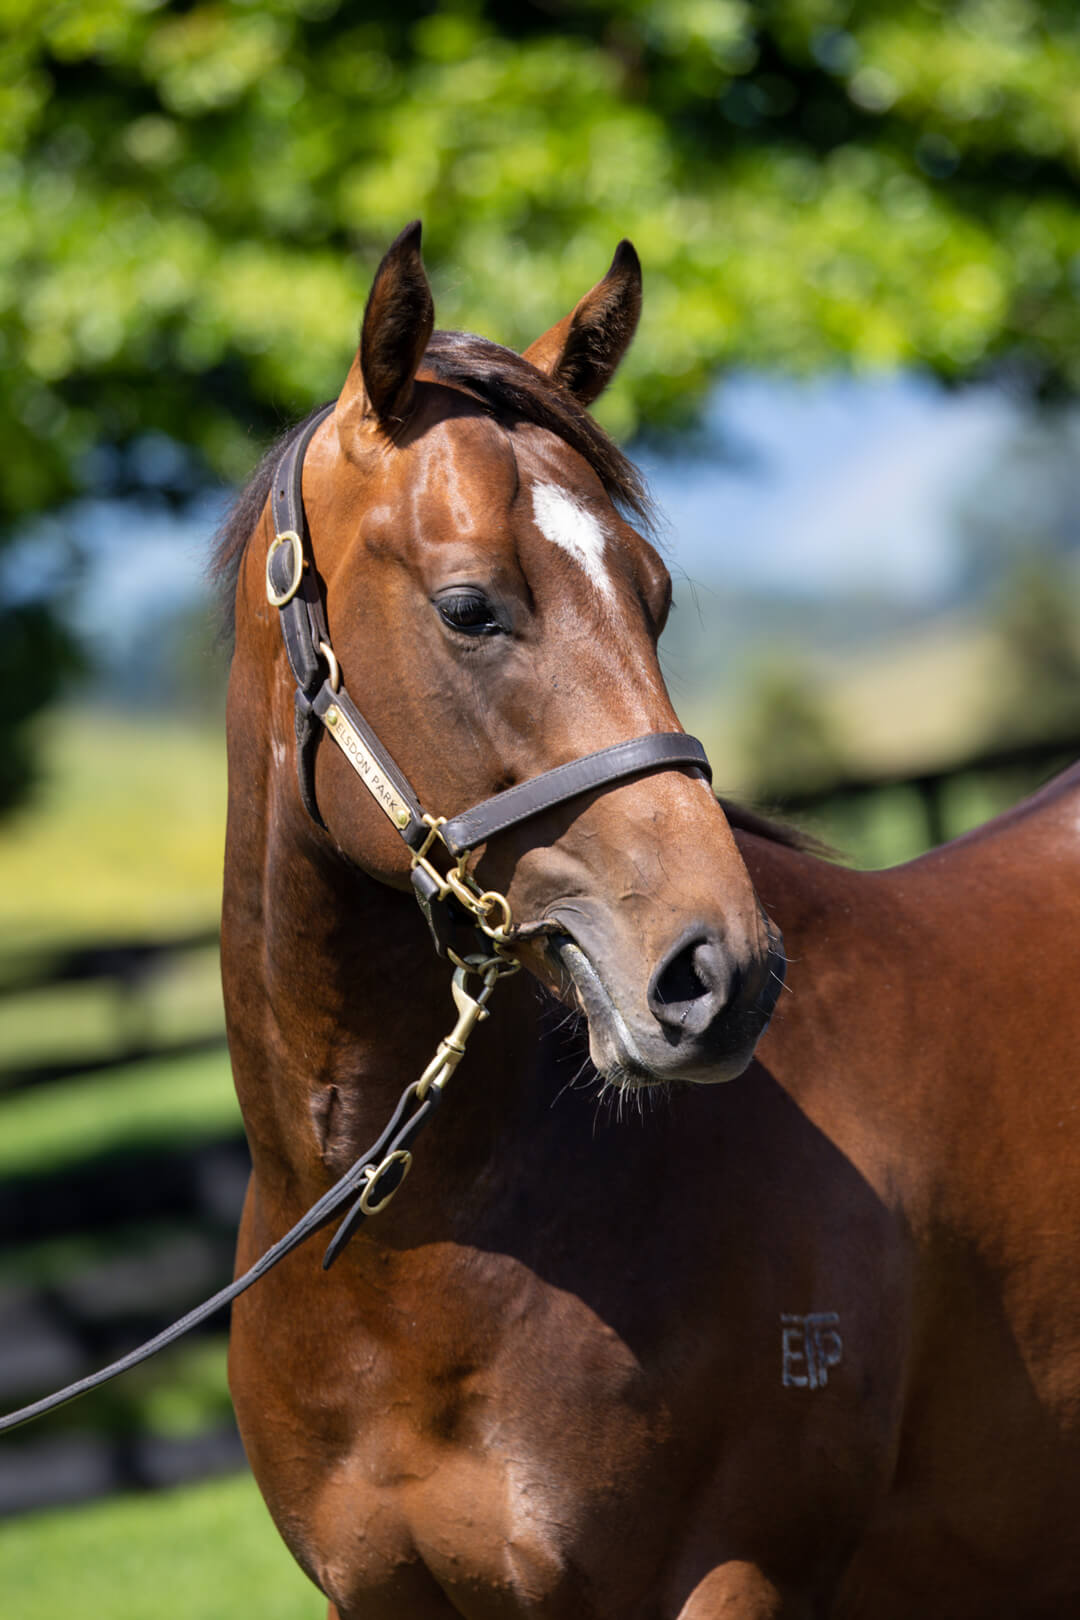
[(693, 985)]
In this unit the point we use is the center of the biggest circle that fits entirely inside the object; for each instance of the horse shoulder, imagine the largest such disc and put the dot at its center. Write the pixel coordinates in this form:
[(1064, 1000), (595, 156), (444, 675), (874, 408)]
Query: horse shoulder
[(930, 1031)]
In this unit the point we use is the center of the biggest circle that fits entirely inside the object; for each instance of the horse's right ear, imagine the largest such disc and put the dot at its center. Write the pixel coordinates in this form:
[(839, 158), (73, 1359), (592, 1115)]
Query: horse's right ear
[(398, 322), (583, 349)]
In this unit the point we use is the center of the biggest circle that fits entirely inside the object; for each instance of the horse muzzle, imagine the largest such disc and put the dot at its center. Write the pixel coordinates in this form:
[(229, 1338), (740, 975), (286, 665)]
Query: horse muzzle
[(703, 1012)]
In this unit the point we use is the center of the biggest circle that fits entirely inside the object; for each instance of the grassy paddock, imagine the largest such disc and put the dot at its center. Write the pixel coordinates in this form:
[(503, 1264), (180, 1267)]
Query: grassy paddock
[(125, 834), (147, 1105), (209, 1552)]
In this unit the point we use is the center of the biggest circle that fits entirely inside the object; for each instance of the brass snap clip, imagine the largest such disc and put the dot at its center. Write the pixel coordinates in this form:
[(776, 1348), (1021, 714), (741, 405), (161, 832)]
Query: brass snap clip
[(471, 1010)]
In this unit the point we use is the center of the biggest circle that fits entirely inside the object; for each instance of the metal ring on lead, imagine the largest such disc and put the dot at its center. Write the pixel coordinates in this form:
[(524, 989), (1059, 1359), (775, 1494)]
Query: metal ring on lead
[(288, 537), (400, 1156), (335, 672)]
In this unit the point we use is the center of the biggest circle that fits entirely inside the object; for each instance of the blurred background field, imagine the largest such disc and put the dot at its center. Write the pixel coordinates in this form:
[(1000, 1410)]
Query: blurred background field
[(853, 391), (203, 1552), (125, 825)]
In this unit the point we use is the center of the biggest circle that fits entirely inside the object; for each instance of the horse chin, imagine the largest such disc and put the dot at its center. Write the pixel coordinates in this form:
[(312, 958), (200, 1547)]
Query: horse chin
[(615, 1054)]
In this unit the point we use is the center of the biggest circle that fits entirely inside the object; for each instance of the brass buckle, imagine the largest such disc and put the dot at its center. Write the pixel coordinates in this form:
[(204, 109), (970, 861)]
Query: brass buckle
[(288, 537)]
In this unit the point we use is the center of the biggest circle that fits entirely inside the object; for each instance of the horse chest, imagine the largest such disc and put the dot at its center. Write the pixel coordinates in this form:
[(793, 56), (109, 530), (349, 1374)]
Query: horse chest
[(500, 1447), (499, 1471)]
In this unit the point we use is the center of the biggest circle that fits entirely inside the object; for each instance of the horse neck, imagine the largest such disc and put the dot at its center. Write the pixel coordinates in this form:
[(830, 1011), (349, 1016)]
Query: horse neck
[(335, 998)]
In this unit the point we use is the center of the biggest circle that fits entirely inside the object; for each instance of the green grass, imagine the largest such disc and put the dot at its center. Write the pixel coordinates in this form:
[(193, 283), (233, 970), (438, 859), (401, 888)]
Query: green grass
[(179, 998), (204, 1553), (146, 1105), (125, 833)]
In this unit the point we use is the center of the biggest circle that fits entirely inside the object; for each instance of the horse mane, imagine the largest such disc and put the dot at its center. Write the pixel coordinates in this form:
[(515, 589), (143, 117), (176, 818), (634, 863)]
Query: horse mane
[(512, 390), (742, 819)]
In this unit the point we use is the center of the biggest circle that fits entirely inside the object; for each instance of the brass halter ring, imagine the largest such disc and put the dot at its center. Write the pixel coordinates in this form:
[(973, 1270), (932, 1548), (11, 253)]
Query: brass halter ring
[(290, 538), (481, 904)]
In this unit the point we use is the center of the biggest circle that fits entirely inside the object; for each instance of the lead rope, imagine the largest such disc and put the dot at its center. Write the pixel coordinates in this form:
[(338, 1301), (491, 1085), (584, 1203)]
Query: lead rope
[(376, 1176)]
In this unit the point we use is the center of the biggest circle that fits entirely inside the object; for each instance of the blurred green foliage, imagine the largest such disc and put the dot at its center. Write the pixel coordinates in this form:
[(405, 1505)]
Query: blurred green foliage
[(193, 197), (37, 657), (790, 742)]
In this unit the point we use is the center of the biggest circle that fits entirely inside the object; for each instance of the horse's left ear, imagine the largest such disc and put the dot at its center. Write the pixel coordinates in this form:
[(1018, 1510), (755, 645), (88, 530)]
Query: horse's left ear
[(583, 350), (398, 321)]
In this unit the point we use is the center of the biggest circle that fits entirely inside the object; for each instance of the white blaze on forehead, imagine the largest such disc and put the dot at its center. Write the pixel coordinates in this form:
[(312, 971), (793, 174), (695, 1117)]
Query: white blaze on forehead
[(564, 522)]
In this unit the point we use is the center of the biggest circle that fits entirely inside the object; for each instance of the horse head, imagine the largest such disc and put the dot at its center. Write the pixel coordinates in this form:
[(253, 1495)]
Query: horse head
[(495, 612)]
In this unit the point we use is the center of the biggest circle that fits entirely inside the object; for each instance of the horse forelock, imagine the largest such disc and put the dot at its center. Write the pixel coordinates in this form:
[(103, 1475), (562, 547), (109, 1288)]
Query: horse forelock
[(513, 390), (505, 385)]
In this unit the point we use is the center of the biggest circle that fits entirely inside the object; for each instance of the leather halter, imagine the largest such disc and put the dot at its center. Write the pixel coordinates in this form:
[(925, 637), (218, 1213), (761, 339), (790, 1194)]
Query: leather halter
[(323, 704)]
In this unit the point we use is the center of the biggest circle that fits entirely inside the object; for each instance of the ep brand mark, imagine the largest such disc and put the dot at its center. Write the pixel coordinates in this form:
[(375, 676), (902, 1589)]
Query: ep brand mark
[(809, 1346)]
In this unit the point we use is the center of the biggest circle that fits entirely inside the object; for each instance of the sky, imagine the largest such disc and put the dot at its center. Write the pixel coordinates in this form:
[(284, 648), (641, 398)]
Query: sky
[(832, 485)]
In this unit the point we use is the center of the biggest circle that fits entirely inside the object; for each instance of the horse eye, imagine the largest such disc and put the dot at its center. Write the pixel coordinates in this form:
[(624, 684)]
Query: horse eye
[(468, 611)]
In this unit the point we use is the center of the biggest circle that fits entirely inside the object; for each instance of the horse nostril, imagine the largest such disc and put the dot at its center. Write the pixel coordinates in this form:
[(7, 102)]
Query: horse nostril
[(680, 980), (691, 986)]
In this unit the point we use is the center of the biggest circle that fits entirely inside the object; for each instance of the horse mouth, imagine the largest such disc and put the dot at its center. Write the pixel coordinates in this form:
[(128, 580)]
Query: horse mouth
[(612, 1047)]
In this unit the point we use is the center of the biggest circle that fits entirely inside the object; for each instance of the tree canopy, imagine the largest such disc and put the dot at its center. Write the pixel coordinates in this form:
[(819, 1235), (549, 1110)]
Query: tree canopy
[(194, 196)]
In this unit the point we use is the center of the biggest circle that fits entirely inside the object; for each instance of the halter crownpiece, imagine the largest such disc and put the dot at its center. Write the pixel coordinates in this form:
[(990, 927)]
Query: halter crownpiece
[(323, 704)]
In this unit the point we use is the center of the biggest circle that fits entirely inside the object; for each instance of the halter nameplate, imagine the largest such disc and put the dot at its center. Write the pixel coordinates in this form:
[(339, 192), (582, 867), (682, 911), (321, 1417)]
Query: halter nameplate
[(352, 746)]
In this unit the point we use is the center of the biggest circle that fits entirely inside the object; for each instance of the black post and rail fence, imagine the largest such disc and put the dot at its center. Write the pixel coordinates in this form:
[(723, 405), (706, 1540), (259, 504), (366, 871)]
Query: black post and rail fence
[(149, 1227)]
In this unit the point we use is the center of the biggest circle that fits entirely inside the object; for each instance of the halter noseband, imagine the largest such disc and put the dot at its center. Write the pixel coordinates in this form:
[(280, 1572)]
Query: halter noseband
[(323, 704)]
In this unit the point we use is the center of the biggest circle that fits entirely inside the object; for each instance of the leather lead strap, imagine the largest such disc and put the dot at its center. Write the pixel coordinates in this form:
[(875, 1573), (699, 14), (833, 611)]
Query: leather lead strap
[(401, 1129)]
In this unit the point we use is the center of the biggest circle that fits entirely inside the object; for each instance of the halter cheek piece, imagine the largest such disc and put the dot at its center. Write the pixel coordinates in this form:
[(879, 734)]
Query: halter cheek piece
[(323, 704)]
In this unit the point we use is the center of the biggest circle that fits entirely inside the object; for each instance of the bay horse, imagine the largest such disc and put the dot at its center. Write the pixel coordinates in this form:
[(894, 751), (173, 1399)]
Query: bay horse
[(804, 1344)]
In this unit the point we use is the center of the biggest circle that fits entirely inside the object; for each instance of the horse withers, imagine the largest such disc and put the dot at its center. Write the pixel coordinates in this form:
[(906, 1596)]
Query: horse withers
[(780, 1348)]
